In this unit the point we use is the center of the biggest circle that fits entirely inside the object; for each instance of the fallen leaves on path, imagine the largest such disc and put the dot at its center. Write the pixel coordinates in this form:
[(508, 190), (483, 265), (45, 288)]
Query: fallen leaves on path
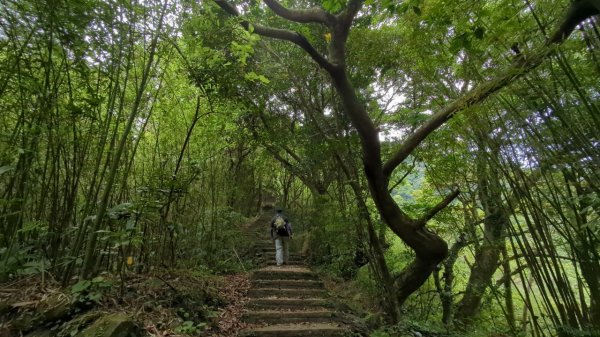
[(234, 290)]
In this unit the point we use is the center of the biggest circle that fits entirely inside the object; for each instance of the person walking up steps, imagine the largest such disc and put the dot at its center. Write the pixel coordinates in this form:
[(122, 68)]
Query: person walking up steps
[(281, 233)]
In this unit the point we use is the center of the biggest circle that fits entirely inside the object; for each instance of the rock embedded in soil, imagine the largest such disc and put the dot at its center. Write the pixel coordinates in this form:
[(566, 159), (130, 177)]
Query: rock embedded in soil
[(55, 307), (113, 325), (41, 333), (51, 308)]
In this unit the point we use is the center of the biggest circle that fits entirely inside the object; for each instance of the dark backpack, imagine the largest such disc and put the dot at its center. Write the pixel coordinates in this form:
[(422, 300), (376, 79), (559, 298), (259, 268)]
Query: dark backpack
[(280, 227)]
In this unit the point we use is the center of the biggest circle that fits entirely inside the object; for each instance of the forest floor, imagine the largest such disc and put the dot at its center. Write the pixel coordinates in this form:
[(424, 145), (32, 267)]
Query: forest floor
[(269, 301), (160, 304)]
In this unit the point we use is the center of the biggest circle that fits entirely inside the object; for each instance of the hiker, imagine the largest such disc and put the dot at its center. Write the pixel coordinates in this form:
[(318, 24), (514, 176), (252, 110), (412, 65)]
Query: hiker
[(281, 233)]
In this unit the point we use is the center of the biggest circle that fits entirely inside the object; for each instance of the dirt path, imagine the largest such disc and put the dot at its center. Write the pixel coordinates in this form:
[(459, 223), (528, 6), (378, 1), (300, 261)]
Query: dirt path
[(287, 301)]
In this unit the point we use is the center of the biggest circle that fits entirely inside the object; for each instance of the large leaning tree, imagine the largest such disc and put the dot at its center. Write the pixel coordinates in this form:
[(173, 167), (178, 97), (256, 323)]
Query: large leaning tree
[(430, 249)]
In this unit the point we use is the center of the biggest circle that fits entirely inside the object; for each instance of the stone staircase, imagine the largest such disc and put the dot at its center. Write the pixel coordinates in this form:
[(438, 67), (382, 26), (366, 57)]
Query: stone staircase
[(289, 300)]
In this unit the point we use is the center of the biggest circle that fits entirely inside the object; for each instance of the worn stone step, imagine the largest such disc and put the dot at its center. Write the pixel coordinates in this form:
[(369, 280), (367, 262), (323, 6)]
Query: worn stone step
[(291, 257), (288, 316), (272, 262), (294, 255), (272, 251), (287, 283), (272, 254), (287, 292), (298, 330), (288, 303), (268, 248), (265, 246), (283, 274)]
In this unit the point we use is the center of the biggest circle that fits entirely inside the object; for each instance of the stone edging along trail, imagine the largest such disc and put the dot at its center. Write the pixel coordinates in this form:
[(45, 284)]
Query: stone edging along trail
[(290, 300)]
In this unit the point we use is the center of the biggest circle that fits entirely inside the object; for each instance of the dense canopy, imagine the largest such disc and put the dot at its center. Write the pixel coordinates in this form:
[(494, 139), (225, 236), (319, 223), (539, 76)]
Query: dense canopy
[(438, 157)]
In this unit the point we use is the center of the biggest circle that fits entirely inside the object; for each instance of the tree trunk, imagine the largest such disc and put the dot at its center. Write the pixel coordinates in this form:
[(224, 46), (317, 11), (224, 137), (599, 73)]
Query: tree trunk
[(89, 258), (495, 223), (445, 291), (430, 249)]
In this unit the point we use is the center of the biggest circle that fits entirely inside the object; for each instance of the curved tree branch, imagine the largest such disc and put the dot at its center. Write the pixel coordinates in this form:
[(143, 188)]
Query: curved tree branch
[(475, 96), (227, 7), (409, 171), (311, 15), (340, 31), (280, 34), (297, 39), (267, 126), (437, 208), (348, 14), (275, 152), (578, 12)]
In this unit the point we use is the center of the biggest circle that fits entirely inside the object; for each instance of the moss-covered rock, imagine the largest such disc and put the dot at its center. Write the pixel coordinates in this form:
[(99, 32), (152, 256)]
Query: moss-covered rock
[(78, 323), (113, 325), (54, 307), (25, 321), (51, 308), (41, 333)]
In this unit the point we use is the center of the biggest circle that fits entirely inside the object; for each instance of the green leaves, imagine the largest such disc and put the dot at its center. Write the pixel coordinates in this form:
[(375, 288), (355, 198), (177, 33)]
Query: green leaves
[(478, 32), (467, 39), (190, 327), (121, 211), (460, 42), (5, 168), (400, 9), (252, 76), (80, 286), (90, 291), (34, 267), (333, 6), (243, 48)]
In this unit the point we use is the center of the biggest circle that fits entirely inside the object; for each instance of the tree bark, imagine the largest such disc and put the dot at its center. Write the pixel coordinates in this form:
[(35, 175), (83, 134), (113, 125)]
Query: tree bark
[(495, 223), (445, 291)]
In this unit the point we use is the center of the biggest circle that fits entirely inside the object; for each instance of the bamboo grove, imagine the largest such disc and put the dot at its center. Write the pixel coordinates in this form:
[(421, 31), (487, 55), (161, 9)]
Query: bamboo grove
[(443, 156)]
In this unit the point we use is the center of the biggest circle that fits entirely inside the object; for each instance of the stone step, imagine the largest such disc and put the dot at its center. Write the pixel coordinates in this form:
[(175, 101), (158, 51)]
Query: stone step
[(288, 303), (269, 248), (292, 256), (290, 316), (266, 248), (272, 262), (298, 330), (262, 252), (287, 283), (296, 257), (283, 274), (286, 292)]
